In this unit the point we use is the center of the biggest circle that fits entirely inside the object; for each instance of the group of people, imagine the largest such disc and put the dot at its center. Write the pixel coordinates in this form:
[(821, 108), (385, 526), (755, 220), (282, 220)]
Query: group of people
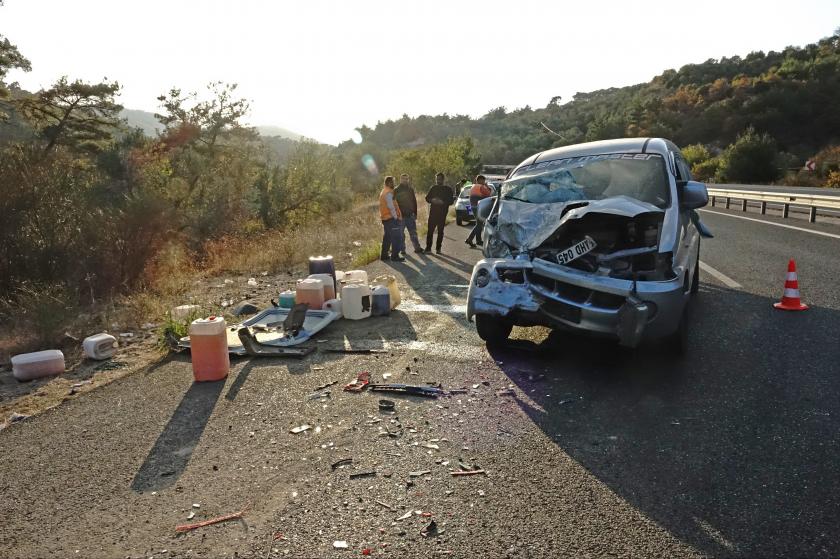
[(398, 212)]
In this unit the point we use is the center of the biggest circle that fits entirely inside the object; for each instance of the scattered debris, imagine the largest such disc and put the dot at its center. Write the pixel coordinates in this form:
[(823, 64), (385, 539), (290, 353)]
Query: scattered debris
[(340, 544), (355, 351), (126, 334), (323, 386), (359, 383), (357, 243), (419, 473), (406, 515), (319, 395), (430, 530), (342, 462), (433, 446), (366, 551), (569, 401), (191, 515), (218, 519), (252, 282), (428, 391), (386, 505), (196, 505), (257, 349), (244, 308), (15, 417), (300, 429), (278, 536), (469, 472), (356, 475), (386, 405)]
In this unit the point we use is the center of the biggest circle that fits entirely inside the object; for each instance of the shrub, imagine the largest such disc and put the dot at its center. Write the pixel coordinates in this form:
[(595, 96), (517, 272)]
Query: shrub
[(752, 158)]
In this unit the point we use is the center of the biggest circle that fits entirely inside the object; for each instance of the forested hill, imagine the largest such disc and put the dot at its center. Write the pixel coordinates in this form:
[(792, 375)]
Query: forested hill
[(793, 96)]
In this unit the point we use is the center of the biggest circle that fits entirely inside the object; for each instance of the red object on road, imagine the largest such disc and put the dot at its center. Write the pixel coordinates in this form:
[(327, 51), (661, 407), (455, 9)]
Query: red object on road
[(359, 383), (790, 300)]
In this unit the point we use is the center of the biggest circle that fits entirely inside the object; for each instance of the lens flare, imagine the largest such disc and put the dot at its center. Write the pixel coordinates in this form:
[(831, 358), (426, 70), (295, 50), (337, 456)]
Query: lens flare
[(356, 137), (370, 164)]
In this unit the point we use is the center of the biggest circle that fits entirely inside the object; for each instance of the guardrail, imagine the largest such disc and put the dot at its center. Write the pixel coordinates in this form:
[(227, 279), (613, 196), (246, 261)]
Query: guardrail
[(812, 202)]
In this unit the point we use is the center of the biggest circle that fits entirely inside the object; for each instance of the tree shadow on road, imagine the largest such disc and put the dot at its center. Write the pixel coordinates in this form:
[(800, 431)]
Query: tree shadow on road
[(172, 451), (733, 448)]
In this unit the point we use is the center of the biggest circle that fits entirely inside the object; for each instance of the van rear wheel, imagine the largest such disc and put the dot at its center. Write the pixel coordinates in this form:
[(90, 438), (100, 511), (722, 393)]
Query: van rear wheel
[(494, 330)]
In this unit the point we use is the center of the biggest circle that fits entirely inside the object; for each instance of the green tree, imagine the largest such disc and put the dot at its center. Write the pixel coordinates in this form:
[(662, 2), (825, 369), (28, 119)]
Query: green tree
[(80, 115), (10, 58), (752, 158)]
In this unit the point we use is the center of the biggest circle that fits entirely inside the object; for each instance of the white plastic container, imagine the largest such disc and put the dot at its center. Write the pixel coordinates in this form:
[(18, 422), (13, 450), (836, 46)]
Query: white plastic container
[(333, 305), (100, 346), (391, 283), (356, 275), (328, 283), (356, 301), (345, 283), (182, 312), (28, 366)]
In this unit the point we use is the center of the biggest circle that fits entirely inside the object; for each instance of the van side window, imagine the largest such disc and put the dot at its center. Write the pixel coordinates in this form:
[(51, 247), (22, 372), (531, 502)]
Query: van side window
[(683, 170)]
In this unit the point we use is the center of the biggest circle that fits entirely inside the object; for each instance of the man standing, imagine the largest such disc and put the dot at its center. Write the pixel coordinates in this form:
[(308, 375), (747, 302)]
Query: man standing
[(389, 212), (478, 192), (407, 201), (440, 197)]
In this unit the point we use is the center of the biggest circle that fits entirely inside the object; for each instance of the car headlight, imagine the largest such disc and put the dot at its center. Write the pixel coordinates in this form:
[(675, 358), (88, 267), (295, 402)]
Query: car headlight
[(482, 277)]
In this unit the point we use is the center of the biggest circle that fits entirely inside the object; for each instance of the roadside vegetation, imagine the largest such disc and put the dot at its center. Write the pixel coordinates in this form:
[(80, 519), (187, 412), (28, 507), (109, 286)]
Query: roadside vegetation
[(97, 214)]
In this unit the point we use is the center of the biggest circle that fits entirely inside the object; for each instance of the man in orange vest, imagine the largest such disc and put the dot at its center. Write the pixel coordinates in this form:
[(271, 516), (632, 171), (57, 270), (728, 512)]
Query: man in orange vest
[(389, 213), (478, 192)]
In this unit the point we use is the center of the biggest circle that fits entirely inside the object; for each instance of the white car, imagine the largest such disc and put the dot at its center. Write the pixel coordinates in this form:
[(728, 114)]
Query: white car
[(463, 211)]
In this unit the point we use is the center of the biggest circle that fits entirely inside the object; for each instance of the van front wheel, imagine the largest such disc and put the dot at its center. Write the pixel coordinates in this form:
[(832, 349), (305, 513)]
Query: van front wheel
[(494, 330)]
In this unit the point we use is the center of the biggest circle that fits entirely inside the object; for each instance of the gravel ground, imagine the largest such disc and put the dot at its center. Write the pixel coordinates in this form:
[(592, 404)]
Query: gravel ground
[(588, 450)]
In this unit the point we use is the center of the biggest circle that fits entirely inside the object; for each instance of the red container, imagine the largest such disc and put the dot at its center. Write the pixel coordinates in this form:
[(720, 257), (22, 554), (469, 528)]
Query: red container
[(209, 349)]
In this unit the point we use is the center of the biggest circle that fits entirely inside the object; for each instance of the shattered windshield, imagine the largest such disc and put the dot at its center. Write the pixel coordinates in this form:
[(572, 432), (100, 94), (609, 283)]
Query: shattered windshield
[(594, 177)]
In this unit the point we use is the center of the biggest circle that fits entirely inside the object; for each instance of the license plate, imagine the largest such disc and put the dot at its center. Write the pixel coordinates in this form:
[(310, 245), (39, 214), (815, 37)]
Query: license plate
[(469, 210), (576, 251)]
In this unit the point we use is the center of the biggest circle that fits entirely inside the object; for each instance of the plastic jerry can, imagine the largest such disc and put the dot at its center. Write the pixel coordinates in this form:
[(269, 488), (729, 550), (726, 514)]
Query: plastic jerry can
[(28, 366), (99, 346), (380, 301), (356, 275), (286, 299), (310, 292), (355, 301), (209, 349), (391, 283), (333, 305), (329, 285), (322, 265)]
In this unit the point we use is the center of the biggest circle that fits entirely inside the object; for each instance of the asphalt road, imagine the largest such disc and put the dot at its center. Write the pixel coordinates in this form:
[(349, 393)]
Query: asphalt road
[(731, 451)]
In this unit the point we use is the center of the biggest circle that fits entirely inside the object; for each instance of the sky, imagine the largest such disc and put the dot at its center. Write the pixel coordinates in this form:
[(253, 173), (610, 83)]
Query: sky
[(323, 68)]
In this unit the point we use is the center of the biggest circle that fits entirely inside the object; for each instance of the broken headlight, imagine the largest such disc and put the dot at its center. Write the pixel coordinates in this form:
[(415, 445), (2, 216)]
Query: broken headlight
[(482, 277), (496, 248)]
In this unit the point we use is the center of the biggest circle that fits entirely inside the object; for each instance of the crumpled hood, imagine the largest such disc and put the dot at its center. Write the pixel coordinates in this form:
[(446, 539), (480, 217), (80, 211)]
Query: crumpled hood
[(522, 225)]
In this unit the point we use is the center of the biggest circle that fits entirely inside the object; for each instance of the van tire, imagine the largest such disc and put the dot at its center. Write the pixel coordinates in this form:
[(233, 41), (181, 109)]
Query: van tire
[(494, 330)]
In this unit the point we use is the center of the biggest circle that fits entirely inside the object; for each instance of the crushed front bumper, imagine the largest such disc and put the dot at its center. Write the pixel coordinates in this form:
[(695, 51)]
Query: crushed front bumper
[(541, 293)]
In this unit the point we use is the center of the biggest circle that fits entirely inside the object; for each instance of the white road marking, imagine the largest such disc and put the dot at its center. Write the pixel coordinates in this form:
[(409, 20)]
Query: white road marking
[(408, 306), (720, 276), (823, 233)]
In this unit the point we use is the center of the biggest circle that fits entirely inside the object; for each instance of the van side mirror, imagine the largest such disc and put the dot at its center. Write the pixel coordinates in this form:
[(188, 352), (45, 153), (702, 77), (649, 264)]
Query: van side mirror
[(692, 195), (484, 208)]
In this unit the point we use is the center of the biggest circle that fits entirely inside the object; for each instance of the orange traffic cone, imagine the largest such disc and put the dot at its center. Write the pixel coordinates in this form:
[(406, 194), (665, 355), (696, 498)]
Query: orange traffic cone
[(790, 300)]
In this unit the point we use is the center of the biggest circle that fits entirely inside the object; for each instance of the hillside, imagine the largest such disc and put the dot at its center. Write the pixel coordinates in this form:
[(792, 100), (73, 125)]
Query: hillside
[(791, 95), (150, 125)]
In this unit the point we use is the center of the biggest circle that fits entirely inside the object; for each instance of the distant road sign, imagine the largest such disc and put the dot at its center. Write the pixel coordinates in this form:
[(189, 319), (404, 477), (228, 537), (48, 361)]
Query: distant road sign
[(811, 165)]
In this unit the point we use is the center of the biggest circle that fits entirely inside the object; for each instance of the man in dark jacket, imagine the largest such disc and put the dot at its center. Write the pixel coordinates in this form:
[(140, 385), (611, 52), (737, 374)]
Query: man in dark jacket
[(407, 201), (440, 197)]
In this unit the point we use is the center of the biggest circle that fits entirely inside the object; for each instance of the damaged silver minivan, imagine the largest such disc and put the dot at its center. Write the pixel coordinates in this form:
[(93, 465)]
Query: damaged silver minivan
[(601, 237)]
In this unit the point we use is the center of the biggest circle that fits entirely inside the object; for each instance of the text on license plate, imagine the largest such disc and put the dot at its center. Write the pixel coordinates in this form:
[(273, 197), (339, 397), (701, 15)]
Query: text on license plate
[(576, 250)]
